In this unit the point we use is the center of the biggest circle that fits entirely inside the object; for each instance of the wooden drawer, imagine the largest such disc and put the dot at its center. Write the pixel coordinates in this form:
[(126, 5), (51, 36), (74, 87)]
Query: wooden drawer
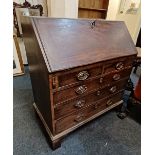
[(76, 75), (77, 117), (82, 74), (61, 110), (114, 76), (118, 64), (84, 88)]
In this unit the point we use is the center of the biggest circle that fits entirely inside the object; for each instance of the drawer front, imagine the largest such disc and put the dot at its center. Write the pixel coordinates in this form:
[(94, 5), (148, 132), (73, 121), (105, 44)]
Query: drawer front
[(61, 110), (90, 86), (77, 117), (78, 75), (114, 76), (71, 77), (118, 64)]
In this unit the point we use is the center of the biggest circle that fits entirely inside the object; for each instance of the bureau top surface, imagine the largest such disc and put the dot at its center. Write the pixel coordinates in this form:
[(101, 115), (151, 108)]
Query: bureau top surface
[(70, 43)]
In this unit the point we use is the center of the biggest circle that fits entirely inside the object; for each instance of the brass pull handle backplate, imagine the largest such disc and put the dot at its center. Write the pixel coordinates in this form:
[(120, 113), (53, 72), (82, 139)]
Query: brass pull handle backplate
[(81, 89), (98, 93), (116, 77), (83, 75), (113, 89), (101, 80), (119, 65), (80, 104)]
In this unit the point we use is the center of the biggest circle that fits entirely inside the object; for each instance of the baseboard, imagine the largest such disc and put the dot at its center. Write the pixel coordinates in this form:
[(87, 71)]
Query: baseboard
[(52, 137)]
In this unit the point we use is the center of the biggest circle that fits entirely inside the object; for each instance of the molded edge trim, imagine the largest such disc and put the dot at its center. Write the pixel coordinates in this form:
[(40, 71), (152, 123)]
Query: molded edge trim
[(52, 137)]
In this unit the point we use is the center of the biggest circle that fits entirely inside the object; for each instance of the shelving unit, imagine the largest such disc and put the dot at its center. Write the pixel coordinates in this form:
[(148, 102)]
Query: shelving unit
[(93, 8)]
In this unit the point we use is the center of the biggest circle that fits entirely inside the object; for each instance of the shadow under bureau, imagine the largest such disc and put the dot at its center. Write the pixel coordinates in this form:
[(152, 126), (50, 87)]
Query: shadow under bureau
[(78, 69)]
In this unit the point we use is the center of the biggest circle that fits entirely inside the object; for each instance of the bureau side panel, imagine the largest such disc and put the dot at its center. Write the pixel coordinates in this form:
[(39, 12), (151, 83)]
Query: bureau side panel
[(38, 71)]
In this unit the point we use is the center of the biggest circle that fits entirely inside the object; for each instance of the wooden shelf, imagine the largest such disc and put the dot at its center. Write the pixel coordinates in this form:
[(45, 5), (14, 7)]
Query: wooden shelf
[(92, 9)]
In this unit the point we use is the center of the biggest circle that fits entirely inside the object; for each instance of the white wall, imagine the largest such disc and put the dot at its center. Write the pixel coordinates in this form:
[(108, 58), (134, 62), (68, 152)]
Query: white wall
[(113, 9), (132, 21), (56, 8), (63, 8), (71, 8)]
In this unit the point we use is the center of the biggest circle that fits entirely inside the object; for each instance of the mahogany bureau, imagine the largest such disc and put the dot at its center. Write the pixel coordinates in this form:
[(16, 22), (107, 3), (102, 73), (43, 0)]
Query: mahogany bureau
[(78, 69)]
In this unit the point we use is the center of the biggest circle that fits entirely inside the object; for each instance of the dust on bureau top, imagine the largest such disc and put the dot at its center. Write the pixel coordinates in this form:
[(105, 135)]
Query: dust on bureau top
[(70, 43)]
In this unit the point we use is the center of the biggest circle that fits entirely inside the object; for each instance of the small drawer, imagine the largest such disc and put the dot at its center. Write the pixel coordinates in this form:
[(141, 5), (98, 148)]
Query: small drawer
[(118, 64), (77, 75), (89, 86), (67, 78), (77, 104), (115, 76), (77, 117), (77, 91)]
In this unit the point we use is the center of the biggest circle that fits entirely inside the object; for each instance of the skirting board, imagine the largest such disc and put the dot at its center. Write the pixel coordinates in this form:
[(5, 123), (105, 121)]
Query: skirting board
[(74, 127)]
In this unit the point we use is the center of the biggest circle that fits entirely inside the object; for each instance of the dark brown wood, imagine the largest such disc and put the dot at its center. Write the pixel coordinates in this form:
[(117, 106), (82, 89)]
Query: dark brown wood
[(92, 9), (65, 108), (83, 114), (78, 69), (70, 77), (138, 43), (86, 45), (71, 92), (38, 73), (56, 143)]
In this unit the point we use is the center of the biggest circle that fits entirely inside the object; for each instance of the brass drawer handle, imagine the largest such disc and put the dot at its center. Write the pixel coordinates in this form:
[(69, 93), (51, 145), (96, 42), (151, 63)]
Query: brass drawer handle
[(109, 102), (79, 118), (98, 93), (119, 65), (113, 89), (83, 75), (101, 80), (116, 77), (79, 104), (81, 89)]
